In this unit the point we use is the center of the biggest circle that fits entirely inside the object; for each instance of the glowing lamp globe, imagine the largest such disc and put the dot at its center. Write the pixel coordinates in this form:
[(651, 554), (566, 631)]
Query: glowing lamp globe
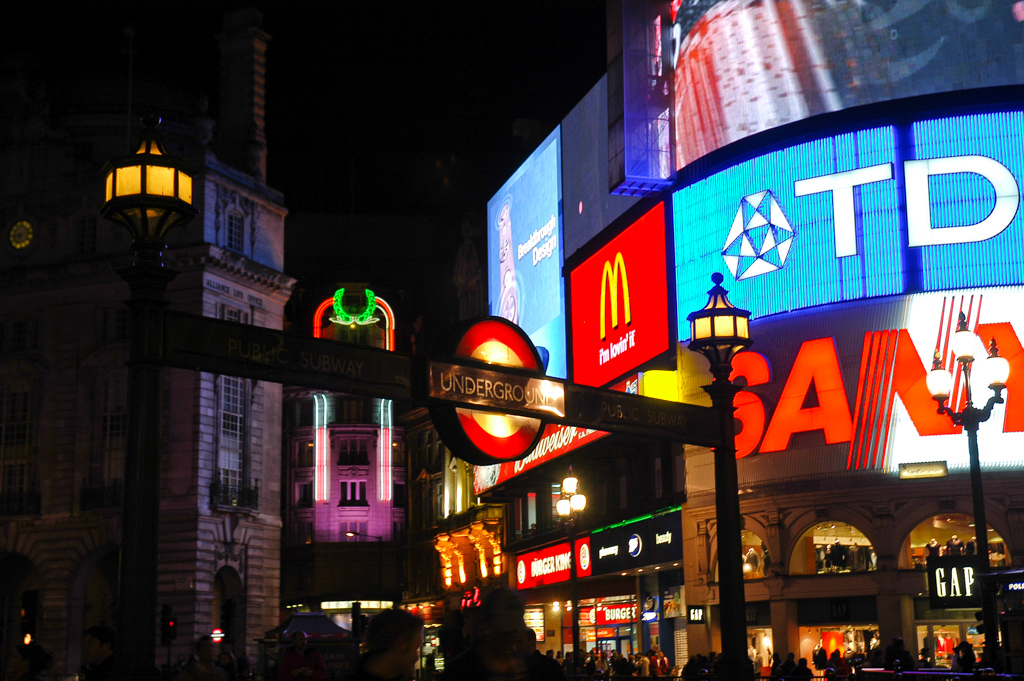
[(570, 485), (148, 192), (563, 507), (577, 502), (720, 329), (964, 343), (997, 369)]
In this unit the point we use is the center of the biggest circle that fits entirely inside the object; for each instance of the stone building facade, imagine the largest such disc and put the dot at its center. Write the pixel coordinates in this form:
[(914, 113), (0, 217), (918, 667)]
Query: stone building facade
[(64, 331)]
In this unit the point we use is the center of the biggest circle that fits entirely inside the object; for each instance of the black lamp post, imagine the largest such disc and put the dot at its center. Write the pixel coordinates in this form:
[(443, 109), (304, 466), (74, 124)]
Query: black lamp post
[(380, 559), (149, 193), (570, 505), (965, 345), (719, 331)]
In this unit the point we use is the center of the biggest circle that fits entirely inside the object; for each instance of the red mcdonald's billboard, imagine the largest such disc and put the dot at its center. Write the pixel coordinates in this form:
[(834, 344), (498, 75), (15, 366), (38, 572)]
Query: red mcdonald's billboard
[(620, 303)]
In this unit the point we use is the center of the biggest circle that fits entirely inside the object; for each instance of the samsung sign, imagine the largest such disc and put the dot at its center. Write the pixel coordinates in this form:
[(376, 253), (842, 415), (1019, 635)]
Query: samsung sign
[(638, 544), (857, 215)]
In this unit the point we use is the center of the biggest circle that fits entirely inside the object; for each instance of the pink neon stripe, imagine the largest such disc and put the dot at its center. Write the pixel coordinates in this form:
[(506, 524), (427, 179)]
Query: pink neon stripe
[(876, 409), (887, 416), (869, 399)]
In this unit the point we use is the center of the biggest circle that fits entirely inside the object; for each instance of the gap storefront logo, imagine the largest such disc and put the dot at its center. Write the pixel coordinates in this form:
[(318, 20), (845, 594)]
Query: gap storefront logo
[(859, 216)]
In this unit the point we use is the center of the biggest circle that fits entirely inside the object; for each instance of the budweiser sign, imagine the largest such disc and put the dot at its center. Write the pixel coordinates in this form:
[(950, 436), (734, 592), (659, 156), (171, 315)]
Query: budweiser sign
[(555, 441)]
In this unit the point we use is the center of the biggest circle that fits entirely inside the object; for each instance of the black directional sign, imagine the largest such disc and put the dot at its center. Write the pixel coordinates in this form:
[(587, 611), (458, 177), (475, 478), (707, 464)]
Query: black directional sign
[(191, 342), (203, 344)]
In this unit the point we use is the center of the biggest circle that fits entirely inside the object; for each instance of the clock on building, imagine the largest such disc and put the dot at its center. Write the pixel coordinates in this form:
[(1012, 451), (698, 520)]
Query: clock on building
[(20, 234)]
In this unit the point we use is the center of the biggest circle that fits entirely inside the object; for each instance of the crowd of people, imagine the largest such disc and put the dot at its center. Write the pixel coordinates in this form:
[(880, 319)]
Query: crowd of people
[(494, 644)]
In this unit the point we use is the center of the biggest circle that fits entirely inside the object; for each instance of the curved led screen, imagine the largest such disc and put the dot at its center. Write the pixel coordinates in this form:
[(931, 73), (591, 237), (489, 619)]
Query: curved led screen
[(742, 67), (856, 216)]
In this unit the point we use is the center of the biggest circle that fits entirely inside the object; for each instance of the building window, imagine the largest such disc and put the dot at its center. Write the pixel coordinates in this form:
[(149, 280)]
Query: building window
[(19, 335), (305, 455), (305, 495), (15, 432), (87, 235), (357, 528), (114, 324), (236, 232), (231, 449), (353, 452), (353, 493), (233, 314), (113, 401), (399, 493)]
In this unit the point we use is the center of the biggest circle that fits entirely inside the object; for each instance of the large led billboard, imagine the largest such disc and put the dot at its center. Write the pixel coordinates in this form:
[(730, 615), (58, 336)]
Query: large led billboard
[(740, 67), (840, 389), (857, 215), (589, 208), (619, 303), (525, 252)]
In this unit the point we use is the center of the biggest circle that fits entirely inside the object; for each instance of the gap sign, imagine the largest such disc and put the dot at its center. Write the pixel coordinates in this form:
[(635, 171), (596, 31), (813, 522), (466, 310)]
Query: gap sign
[(953, 582)]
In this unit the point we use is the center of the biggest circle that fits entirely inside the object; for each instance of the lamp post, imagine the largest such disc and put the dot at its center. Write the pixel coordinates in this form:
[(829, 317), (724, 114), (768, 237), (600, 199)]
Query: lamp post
[(719, 331), (570, 505), (380, 559), (965, 345), (149, 193)]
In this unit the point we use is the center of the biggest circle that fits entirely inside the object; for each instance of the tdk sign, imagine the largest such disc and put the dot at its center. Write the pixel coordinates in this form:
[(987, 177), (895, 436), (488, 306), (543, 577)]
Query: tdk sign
[(854, 216)]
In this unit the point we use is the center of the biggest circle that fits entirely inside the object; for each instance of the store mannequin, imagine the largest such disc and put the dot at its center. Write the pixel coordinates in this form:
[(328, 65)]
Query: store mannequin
[(933, 548)]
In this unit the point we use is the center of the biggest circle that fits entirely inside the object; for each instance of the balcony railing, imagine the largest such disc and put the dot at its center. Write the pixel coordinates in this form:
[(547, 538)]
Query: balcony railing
[(239, 496), (95, 497), (21, 502)]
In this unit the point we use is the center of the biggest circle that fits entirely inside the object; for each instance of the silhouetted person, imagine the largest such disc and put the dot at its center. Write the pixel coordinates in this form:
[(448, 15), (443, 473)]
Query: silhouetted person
[(302, 663), (203, 665), (897, 656), (28, 662), (98, 652), (393, 639), (802, 671)]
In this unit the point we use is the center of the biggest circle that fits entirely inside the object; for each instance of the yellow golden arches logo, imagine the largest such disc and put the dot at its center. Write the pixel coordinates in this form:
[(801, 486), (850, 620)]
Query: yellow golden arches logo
[(610, 284)]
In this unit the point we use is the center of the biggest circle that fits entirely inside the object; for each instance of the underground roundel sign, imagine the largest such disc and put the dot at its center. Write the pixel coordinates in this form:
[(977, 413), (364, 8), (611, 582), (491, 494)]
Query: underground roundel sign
[(468, 394)]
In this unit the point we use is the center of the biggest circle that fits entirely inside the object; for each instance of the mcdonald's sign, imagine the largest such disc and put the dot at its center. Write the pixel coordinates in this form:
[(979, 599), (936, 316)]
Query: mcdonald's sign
[(620, 303)]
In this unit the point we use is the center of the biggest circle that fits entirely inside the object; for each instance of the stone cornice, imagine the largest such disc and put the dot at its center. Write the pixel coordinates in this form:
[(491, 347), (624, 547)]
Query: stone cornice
[(210, 258)]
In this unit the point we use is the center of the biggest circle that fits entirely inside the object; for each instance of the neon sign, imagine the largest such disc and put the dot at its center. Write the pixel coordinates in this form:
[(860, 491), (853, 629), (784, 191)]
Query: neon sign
[(619, 303), (322, 448), (856, 215), (863, 395), (552, 564)]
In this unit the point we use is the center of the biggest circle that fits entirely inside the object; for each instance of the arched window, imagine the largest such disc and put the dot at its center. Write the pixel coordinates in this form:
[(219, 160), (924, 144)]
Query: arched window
[(832, 546), (949, 534)]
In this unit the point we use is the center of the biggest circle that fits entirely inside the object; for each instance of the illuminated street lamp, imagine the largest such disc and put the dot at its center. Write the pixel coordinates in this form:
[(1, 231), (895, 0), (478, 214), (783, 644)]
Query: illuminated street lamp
[(995, 370), (718, 331), (149, 193), (570, 506)]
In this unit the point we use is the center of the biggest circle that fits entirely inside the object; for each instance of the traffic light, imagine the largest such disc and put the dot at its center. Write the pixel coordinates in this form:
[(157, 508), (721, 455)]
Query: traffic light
[(168, 628)]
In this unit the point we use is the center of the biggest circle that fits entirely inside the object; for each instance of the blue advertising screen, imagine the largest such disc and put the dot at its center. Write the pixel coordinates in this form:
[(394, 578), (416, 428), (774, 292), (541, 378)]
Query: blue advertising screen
[(525, 252), (855, 216)]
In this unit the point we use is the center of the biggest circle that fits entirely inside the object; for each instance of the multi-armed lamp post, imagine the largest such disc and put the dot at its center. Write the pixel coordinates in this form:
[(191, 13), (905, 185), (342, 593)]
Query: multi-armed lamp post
[(719, 331), (995, 370), (569, 506), (147, 192)]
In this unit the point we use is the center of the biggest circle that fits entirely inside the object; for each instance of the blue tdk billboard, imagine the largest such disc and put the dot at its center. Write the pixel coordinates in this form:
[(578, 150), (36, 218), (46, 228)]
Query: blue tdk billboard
[(856, 216), (525, 252)]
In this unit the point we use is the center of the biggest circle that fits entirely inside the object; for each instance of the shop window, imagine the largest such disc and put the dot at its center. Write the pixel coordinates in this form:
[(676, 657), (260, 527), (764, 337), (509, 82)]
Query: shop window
[(756, 558), (949, 534), (304, 455), (832, 546)]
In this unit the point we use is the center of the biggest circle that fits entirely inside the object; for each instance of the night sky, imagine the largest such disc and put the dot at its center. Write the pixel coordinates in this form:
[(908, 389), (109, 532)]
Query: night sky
[(373, 107)]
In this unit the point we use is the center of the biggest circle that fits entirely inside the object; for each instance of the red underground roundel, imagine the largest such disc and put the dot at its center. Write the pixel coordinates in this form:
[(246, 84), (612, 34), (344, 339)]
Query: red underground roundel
[(479, 436)]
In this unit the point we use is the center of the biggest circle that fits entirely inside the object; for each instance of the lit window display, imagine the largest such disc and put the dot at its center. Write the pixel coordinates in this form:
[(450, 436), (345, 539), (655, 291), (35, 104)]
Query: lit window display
[(756, 558), (950, 534), (832, 546)]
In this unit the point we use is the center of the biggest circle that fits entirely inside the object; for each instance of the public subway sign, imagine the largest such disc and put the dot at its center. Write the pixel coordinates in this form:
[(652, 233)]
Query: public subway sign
[(619, 303), (953, 582), (552, 564), (856, 398), (858, 215)]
